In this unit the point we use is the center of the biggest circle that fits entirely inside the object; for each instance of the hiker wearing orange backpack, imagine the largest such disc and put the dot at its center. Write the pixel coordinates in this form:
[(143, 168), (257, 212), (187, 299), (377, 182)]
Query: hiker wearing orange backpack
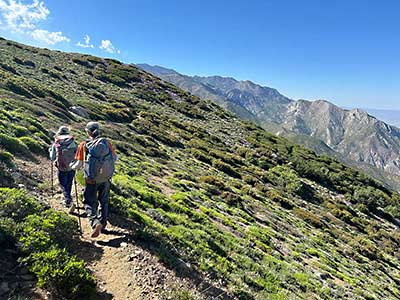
[(98, 157), (62, 152)]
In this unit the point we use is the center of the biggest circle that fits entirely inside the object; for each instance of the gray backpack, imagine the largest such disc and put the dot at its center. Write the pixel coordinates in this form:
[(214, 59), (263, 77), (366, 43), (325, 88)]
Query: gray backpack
[(100, 163), (65, 151)]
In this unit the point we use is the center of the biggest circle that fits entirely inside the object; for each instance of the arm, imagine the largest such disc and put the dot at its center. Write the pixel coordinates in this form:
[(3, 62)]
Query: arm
[(79, 157), (114, 155)]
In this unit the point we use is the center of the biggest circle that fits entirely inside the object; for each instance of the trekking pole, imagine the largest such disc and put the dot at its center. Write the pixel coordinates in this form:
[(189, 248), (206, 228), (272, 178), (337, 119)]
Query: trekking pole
[(110, 200), (77, 206), (51, 178)]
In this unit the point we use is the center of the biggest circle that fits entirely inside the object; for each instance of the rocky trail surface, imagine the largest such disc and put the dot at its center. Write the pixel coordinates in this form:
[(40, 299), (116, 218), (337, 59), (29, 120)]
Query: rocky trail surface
[(124, 268)]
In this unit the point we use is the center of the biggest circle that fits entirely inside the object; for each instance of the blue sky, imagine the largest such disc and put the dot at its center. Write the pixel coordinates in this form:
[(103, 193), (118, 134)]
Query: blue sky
[(343, 51)]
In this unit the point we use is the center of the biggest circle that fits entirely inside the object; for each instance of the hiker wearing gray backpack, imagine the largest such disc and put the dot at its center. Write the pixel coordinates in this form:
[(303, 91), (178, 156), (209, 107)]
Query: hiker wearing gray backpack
[(62, 152), (98, 157)]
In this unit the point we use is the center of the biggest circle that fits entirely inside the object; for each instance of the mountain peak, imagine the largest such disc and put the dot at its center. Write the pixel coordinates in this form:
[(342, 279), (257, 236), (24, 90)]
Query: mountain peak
[(155, 69)]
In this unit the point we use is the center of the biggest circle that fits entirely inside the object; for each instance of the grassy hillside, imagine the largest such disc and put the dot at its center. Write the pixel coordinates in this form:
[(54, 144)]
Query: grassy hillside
[(259, 216)]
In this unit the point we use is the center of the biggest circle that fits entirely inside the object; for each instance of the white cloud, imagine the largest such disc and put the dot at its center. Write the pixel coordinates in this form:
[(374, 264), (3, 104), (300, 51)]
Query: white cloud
[(16, 16), (48, 37), (20, 17), (107, 46), (87, 43)]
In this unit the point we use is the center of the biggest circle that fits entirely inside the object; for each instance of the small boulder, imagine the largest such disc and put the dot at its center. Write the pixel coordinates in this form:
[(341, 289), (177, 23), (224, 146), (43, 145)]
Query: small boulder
[(80, 111)]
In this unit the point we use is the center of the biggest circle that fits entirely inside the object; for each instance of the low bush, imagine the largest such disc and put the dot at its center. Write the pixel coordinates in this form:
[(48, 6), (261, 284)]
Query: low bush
[(63, 275), (201, 156), (17, 204), (82, 62), (309, 217), (8, 229), (231, 199), (42, 235), (227, 169), (19, 130), (40, 231), (6, 158), (370, 197), (18, 89), (13, 145), (277, 197), (33, 145), (287, 179)]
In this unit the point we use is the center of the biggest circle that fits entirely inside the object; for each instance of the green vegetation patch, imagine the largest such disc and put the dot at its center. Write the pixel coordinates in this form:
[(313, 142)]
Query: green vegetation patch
[(42, 236)]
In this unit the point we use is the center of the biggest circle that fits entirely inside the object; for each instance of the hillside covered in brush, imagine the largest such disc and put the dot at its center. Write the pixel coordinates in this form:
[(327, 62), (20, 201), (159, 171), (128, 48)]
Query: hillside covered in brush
[(352, 136), (252, 214)]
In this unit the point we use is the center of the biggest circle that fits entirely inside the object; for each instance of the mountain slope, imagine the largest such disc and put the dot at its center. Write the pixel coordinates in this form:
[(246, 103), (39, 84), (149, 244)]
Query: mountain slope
[(351, 135), (221, 202)]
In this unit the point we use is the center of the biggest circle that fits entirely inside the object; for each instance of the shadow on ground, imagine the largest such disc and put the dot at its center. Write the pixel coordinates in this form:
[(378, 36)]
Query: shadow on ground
[(169, 257)]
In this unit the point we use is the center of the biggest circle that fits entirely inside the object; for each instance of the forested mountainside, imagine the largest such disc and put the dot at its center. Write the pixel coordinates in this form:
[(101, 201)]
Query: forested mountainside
[(218, 199), (353, 136)]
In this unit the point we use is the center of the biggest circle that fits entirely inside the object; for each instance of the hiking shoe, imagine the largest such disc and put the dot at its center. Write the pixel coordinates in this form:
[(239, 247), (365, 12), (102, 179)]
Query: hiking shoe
[(71, 209), (67, 204), (96, 231)]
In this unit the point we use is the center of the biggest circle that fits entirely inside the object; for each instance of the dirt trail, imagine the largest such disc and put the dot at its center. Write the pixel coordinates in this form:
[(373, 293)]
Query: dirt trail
[(123, 269), (106, 257)]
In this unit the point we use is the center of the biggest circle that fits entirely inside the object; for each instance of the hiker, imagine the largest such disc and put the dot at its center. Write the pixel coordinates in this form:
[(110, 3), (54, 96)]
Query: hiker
[(62, 152), (98, 157)]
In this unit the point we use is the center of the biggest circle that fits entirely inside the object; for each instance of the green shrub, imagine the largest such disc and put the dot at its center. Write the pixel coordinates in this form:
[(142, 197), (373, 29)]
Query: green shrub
[(227, 169), (215, 181), (231, 199), (61, 274), (82, 62), (34, 145), (135, 186), (370, 197), (109, 78), (8, 229), (309, 217), (119, 115), (260, 233), (18, 89), (201, 156), (6, 158), (365, 247), (40, 135), (126, 72), (286, 178), (13, 145), (39, 232), (277, 197), (20, 131), (8, 68), (17, 204), (40, 235)]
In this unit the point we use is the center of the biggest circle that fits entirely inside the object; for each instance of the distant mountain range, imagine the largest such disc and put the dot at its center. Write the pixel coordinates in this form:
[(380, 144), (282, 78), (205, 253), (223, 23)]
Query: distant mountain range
[(353, 136)]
